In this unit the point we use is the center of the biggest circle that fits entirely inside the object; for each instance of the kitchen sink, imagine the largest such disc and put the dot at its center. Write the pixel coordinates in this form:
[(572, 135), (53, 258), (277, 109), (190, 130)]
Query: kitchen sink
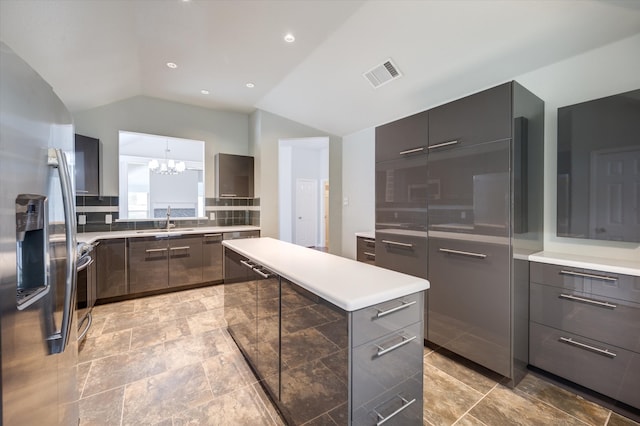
[(155, 231)]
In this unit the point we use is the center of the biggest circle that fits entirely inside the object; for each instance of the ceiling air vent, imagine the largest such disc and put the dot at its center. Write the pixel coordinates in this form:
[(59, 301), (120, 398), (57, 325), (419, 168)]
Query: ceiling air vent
[(382, 74)]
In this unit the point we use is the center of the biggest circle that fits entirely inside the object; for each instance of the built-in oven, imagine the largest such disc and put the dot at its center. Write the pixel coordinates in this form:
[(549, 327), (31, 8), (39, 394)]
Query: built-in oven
[(86, 288)]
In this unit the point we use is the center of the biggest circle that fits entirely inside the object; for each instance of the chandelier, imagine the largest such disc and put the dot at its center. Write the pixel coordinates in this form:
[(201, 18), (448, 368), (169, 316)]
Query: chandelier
[(167, 166)]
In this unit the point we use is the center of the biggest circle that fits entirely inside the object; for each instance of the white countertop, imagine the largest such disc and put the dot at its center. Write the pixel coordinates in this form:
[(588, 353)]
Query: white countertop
[(346, 283), (367, 234), (626, 267), (90, 237)]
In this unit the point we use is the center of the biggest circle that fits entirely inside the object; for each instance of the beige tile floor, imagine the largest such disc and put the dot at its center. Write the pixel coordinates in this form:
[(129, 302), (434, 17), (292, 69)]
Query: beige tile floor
[(168, 360)]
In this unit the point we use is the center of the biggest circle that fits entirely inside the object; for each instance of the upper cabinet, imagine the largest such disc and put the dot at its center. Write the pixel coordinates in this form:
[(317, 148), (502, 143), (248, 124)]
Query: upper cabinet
[(234, 176), (482, 117), (402, 138), (87, 165)]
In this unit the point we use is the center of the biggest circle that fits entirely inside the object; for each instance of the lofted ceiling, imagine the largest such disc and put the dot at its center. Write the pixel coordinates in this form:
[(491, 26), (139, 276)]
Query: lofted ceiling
[(95, 52)]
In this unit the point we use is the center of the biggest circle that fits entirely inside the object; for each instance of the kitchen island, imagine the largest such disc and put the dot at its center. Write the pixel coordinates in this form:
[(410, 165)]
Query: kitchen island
[(331, 339)]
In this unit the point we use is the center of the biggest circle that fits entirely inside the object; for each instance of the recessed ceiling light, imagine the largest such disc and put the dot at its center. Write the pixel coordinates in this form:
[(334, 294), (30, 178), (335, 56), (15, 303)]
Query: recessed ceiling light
[(172, 65), (250, 85), (204, 92), (289, 38)]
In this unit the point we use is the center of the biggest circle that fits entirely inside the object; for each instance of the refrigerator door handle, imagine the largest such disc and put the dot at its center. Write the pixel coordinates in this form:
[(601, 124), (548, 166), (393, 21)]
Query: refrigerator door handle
[(58, 159)]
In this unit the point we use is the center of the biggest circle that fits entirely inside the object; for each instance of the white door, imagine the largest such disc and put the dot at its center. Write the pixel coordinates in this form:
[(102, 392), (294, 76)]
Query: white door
[(615, 194), (306, 214)]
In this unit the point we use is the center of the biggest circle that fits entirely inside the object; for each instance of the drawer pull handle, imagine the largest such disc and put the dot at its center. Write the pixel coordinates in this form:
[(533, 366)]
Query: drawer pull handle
[(247, 264), (604, 352), (585, 300), (155, 250), (213, 235), (397, 243), (404, 305), (180, 248), (411, 151), (261, 273), (366, 253), (405, 404), (405, 341), (464, 253), (585, 275), (369, 241), (228, 195), (440, 145)]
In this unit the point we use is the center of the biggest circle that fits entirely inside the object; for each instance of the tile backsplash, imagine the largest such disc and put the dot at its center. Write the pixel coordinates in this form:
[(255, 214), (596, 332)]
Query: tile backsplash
[(225, 212)]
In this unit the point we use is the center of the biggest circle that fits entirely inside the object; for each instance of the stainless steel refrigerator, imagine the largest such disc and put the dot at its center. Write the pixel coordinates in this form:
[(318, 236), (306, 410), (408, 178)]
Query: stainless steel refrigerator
[(37, 251)]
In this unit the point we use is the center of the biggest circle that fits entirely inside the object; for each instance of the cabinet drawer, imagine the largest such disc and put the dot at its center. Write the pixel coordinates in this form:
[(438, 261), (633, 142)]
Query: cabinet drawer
[(615, 373), (401, 405), (366, 250), (607, 320), (478, 118), (384, 363), (379, 320), (402, 252), (587, 281), (402, 138)]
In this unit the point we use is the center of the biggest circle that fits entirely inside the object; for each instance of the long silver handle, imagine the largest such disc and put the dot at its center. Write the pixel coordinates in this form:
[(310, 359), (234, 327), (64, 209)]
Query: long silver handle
[(440, 145), (604, 352), (259, 272), (405, 404), (68, 201), (180, 248), (411, 151), (404, 305), (397, 243), (89, 320), (213, 235), (366, 253), (405, 341), (368, 241), (589, 301), (155, 250), (228, 195), (585, 275), (464, 253), (247, 264)]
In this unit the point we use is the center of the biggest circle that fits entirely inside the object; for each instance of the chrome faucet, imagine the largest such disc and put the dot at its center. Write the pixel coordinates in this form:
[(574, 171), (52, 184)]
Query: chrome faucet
[(169, 224)]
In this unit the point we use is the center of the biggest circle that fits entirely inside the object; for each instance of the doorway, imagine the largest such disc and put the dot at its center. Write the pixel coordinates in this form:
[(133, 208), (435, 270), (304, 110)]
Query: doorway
[(303, 185)]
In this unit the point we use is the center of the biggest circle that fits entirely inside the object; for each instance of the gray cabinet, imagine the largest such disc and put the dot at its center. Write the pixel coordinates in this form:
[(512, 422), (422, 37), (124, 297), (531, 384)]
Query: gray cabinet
[(111, 268), (485, 180), (212, 257), (318, 361), (148, 265), (234, 176), (155, 263), (366, 250), (402, 251), (585, 327), (402, 138), (87, 156)]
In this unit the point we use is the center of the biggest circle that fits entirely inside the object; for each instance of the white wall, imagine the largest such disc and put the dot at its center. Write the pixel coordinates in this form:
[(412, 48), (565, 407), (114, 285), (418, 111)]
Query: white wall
[(601, 72), (222, 131), (266, 130), (358, 187)]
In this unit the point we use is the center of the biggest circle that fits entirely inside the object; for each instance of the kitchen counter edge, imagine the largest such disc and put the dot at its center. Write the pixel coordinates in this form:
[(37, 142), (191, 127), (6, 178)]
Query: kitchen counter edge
[(625, 267), (91, 237)]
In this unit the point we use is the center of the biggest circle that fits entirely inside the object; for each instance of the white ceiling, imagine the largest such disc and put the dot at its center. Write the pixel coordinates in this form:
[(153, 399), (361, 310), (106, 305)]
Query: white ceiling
[(94, 52)]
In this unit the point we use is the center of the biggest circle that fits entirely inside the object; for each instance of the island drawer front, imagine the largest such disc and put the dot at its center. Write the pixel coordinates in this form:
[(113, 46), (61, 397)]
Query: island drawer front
[(608, 320), (378, 320), (386, 362), (404, 399), (615, 376), (588, 281)]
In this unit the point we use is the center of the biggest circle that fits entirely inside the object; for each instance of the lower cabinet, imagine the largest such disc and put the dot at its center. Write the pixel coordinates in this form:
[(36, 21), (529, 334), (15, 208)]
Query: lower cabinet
[(585, 327), (318, 361), (366, 250), (212, 257), (111, 268), (185, 260)]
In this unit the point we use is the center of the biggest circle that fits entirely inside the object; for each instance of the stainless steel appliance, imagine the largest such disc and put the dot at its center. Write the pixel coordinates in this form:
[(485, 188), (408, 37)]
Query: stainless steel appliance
[(37, 251)]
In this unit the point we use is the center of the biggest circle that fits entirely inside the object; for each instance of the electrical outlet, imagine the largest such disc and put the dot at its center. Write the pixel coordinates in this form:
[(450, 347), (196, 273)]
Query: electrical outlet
[(108, 219), (82, 219), (212, 215)]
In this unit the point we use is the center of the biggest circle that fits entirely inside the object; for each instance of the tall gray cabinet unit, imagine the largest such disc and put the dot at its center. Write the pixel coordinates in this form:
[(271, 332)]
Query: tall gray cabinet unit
[(485, 176)]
